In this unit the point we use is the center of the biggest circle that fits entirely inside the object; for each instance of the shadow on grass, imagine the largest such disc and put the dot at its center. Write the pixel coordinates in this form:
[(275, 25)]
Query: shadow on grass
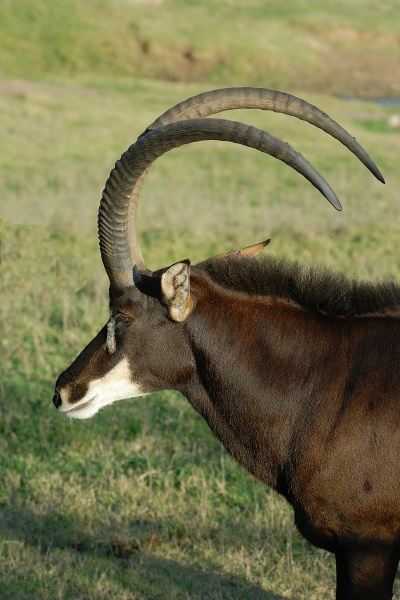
[(48, 556)]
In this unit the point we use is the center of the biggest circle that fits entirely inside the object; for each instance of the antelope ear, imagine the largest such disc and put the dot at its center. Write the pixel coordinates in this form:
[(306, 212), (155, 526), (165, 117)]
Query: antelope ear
[(248, 252), (253, 250), (175, 289)]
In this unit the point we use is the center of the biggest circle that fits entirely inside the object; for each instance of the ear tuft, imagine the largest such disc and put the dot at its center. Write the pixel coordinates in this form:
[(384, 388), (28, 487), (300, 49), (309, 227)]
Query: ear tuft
[(175, 287)]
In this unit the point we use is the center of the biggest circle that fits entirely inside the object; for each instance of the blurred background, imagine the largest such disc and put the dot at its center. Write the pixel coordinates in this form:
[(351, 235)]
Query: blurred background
[(141, 502)]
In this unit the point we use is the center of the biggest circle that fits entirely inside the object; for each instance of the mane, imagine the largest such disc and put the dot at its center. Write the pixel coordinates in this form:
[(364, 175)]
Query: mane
[(314, 288)]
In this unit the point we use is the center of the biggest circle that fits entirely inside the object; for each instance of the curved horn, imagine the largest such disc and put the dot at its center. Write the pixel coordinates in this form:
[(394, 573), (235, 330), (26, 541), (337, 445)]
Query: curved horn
[(210, 103), (216, 101), (117, 212)]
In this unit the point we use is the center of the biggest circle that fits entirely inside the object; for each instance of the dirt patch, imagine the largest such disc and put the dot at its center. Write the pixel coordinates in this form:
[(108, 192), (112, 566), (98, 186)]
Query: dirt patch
[(357, 74), (349, 63), (363, 64), (22, 87)]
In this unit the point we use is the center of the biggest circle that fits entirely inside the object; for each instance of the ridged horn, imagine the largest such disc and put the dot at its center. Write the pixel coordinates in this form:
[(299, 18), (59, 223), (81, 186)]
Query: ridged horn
[(210, 103), (117, 212)]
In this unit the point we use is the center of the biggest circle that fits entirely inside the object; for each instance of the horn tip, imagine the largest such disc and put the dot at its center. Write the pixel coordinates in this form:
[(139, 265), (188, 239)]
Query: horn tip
[(381, 178), (332, 199)]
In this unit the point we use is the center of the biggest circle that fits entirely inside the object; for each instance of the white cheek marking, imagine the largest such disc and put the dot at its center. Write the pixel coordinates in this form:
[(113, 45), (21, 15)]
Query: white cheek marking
[(115, 385), (111, 343)]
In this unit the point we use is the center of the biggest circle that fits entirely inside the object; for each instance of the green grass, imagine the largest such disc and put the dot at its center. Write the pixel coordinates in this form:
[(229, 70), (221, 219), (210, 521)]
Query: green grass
[(141, 502), (313, 45)]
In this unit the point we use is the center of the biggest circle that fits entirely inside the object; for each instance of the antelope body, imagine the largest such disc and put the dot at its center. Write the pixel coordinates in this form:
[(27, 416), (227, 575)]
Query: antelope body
[(296, 371)]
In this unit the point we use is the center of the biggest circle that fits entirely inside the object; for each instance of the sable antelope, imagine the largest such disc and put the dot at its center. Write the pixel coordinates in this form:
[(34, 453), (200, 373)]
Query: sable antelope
[(296, 371)]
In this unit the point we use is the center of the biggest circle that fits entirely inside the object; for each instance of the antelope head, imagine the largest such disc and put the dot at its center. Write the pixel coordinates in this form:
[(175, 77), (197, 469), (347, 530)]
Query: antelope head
[(144, 345)]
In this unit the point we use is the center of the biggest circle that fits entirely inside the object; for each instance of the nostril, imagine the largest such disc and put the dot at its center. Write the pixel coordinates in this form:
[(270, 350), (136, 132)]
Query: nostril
[(57, 400)]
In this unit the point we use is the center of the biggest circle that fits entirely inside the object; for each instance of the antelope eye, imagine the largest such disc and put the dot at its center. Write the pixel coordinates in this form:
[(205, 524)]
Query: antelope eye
[(120, 318)]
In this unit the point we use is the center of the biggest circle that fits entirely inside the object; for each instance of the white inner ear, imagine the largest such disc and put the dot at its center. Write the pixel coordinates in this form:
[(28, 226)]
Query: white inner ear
[(175, 283), (175, 286), (116, 385)]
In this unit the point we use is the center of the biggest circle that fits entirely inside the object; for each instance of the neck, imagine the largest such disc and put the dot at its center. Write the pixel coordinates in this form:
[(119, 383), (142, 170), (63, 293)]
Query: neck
[(242, 386)]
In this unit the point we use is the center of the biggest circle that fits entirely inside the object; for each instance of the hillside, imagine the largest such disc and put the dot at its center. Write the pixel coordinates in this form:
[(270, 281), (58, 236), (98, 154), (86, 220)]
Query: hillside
[(340, 48)]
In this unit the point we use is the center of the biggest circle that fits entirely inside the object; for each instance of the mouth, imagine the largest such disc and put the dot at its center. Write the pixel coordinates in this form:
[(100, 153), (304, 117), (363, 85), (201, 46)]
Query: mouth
[(77, 409)]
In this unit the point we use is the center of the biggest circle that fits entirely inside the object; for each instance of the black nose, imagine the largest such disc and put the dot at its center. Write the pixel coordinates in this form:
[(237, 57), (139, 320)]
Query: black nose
[(57, 399)]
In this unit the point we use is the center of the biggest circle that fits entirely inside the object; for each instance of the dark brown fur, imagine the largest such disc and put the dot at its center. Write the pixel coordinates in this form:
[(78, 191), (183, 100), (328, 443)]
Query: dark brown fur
[(296, 371), (315, 288), (301, 379)]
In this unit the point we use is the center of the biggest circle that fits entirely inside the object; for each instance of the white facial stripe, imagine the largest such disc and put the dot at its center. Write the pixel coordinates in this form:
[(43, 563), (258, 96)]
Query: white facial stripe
[(111, 343), (115, 385)]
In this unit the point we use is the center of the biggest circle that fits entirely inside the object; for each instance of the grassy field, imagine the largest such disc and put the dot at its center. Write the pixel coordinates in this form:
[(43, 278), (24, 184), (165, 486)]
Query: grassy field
[(340, 48), (141, 502)]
